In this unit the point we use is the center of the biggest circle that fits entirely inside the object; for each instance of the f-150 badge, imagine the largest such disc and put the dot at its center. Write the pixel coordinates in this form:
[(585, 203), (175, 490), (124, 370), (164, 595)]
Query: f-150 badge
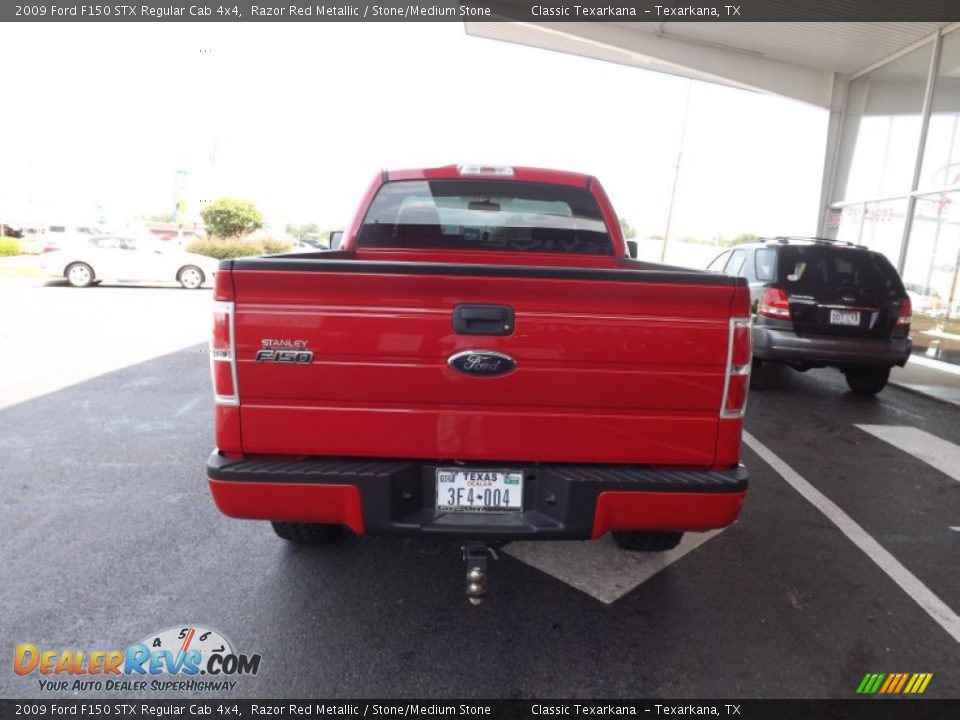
[(485, 363), (284, 351)]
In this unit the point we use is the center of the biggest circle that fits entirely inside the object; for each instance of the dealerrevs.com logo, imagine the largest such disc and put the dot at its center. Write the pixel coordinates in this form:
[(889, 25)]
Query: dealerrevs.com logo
[(185, 658)]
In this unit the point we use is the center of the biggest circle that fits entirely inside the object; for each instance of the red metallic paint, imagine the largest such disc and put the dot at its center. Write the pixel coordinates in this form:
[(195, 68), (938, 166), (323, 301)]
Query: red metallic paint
[(665, 511), (728, 443), (290, 502), (228, 428), (632, 373), (489, 435)]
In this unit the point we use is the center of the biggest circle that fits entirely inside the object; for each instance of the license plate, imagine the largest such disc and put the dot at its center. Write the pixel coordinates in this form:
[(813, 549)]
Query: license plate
[(460, 490), (844, 317)]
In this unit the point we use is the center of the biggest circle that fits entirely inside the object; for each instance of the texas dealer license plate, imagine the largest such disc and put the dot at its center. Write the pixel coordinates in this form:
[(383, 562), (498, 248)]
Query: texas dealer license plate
[(461, 490)]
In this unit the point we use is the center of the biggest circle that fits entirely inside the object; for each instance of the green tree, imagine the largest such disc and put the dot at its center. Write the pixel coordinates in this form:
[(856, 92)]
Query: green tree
[(629, 232), (229, 217)]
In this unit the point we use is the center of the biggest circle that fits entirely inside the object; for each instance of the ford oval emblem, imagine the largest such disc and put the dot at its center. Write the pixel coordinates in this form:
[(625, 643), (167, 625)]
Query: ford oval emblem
[(484, 363)]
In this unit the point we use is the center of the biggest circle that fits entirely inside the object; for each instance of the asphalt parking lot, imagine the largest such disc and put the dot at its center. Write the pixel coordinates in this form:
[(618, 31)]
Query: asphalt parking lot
[(108, 535)]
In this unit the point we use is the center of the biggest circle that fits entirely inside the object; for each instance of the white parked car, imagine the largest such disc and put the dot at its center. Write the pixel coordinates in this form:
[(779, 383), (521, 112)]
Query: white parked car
[(87, 260)]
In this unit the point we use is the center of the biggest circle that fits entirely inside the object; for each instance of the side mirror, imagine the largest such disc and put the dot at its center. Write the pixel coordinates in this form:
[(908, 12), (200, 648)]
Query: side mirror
[(336, 238), (633, 249)]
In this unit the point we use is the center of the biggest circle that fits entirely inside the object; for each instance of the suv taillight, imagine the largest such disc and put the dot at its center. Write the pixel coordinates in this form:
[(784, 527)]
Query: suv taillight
[(906, 313), (774, 304), (737, 380), (223, 362)]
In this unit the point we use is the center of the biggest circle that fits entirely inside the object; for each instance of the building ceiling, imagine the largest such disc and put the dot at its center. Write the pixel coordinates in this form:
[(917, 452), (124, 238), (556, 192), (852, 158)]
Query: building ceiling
[(842, 47), (793, 59)]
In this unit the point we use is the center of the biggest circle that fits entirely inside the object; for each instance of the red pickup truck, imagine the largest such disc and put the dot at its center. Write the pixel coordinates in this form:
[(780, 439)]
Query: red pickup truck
[(480, 359)]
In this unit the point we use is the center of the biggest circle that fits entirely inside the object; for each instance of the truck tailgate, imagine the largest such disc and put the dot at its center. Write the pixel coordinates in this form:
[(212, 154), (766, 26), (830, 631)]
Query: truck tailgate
[(622, 366)]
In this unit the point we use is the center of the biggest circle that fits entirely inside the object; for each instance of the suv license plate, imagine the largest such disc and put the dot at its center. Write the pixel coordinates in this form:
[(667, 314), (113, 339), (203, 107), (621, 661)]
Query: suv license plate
[(844, 317), (460, 490)]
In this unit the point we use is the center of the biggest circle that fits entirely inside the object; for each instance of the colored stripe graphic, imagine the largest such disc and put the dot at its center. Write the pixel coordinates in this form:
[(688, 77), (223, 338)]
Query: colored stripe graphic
[(894, 683), (903, 680), (874, 683)]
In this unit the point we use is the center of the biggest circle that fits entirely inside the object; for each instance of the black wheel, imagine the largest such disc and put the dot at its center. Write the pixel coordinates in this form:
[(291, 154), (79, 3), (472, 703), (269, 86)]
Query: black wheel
[(191, 277), (867, 380), (79, 274), (309, 533), (647, 540)]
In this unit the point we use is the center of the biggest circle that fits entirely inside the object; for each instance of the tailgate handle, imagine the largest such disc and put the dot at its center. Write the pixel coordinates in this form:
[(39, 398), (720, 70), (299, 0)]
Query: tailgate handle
[(483, 319)]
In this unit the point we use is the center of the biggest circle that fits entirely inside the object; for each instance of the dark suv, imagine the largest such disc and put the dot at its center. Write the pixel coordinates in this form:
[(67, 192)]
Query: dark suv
[(820, 302)]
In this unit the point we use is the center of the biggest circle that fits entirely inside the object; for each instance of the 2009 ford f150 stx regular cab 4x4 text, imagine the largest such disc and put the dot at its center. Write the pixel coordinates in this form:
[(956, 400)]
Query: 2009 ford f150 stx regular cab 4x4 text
[(481, 360)]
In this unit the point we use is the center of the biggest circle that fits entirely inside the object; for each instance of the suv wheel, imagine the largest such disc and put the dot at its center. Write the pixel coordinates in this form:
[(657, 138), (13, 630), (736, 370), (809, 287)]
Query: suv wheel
[(867, 380), (646, 540), (309, 533)]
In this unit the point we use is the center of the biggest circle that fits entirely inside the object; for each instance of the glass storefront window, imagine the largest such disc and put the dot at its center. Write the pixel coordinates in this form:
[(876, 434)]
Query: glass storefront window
[(883, 227), (843, 223), (941, 156), (930, 275), (881, 131)]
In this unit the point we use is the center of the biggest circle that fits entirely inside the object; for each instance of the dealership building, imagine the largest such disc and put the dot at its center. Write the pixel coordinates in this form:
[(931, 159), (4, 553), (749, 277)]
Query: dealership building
[(891, 91)]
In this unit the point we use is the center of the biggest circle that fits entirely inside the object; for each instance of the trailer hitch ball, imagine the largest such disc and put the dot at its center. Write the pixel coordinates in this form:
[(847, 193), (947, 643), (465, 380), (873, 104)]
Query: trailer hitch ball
[(475, 594), (476, 556)]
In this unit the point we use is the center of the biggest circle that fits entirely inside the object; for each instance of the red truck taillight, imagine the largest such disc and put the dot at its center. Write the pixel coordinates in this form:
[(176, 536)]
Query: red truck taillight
[(737, 380), (223, 361)]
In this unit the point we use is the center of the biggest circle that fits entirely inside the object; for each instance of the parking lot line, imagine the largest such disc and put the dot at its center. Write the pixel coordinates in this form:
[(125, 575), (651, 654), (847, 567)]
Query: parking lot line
[(188, 406), (941, 613), (598, 567), (935, 451)]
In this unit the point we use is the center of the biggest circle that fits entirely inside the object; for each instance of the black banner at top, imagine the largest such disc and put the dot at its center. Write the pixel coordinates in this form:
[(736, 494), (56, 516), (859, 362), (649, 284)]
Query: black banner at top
[(425, 709), (941, 11)]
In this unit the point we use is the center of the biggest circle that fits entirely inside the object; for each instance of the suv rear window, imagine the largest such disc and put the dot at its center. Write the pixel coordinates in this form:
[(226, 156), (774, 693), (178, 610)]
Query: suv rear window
[(815, 267), (485, 215)]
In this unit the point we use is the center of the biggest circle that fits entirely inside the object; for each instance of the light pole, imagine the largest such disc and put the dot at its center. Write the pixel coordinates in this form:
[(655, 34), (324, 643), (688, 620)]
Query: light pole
[(676, 170)]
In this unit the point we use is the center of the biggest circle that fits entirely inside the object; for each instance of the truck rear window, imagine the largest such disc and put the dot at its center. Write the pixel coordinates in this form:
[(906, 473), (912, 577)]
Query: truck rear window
[(485, 215)]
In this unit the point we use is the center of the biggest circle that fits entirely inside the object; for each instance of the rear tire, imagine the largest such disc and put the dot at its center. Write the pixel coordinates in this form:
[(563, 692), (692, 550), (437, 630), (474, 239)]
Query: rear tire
[(867, 380), (309, 533), (191, 277), (79, 275), (646, 540)]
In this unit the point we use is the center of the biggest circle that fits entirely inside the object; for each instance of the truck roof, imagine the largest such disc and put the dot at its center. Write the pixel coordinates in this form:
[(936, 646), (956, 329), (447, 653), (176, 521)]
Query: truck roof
[(494, 172)]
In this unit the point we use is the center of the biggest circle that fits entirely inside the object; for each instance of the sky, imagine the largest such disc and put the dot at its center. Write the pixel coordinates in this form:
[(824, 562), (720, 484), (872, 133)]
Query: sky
[(299, 117)]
